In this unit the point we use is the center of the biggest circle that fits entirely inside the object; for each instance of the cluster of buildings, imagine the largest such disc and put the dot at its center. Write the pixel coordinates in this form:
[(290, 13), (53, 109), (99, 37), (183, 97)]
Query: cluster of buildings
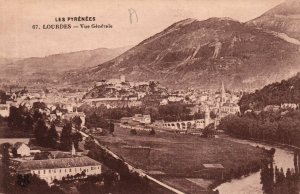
[(61, 166), (115, 93), (282, 106), (137, 119), (59, 105), (221, 104)]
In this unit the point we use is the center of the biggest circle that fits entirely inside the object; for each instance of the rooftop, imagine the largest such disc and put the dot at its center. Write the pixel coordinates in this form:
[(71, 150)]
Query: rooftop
[(57, 163)]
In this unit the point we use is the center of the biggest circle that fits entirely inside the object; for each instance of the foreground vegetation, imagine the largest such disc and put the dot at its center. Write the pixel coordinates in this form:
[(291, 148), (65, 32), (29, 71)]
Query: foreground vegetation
[(35, 123), (276, 181)]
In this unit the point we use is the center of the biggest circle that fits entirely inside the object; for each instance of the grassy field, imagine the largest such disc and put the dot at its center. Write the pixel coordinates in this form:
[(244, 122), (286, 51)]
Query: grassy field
[(179, 156)]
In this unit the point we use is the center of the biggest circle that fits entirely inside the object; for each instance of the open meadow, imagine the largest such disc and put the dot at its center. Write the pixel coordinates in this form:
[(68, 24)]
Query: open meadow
[(178, 158)]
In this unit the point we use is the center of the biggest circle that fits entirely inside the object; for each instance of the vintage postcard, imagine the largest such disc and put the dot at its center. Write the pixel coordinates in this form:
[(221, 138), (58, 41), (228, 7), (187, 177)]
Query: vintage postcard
[(149, 96)]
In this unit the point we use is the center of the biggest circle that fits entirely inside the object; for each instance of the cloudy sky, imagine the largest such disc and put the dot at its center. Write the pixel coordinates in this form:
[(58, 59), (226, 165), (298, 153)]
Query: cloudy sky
[(19, 40)]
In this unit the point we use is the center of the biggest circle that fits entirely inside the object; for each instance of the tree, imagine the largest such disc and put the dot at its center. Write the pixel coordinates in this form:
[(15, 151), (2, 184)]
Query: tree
[(76, 138), (152, 86), (53, 136), (152, 132), (66, 137), (15, 119), (28, 123), (4, 149), (133, 132), (93, 120), (37, 115), (77, 122), (39, 105), (3, 97), (41, 133), (111, 127), (208, 131)]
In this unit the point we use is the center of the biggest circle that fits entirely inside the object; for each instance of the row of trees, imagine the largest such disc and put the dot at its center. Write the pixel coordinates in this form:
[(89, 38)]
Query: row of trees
[(48, 137), (98, 116), (276, 181), (273, 127)]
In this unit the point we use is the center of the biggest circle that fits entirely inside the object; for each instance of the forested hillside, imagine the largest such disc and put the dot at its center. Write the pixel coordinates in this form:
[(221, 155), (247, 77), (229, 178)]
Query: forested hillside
[(286, 91)]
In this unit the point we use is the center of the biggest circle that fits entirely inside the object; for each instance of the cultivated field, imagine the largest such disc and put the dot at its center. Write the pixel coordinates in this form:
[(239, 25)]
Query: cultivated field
[(177, 157)]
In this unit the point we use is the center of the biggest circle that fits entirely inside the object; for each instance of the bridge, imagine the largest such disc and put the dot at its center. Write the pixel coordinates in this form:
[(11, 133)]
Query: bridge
[(185, 125)]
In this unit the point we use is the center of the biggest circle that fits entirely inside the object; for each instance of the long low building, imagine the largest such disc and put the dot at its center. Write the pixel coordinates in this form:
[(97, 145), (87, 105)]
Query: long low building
[(52, 169)]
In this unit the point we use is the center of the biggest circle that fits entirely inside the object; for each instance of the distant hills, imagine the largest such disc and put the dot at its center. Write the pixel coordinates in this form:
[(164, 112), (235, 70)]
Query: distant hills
[(189, 53), (50, 67), (4, 60), (193, 53), (286, 91), (284, 18)]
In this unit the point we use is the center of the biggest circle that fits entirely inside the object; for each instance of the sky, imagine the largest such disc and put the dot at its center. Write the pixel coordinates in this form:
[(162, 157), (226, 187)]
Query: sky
[(19, 40)]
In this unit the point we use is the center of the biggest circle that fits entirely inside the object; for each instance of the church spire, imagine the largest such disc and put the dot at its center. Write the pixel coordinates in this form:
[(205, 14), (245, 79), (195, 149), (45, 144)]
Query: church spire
[(223, 94), (207, 116)]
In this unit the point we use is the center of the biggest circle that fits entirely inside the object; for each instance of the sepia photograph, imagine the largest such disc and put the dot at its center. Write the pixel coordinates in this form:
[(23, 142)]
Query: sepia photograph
[(149, 96)]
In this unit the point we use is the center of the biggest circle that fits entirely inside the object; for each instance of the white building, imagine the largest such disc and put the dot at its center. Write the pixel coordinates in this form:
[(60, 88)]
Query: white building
[(229, 108), (289, 105), (146, 119), (52, 169), (122, 78), (4, 110), (164, 101), (174, 98), (21, 149)]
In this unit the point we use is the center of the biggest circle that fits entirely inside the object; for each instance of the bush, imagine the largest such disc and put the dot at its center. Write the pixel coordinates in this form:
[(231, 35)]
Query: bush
[(152, 132), (133, 132)]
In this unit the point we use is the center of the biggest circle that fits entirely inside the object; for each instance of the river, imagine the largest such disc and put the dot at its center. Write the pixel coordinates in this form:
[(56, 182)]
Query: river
[(283, 158)]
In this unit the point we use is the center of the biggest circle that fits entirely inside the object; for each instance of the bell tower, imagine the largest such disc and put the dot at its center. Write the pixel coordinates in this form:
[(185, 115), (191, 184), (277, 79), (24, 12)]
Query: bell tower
[(223, 94)]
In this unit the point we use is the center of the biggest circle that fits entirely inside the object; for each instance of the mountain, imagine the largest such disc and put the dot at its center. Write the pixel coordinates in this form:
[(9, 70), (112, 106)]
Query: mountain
[(286, 91), (4, 60), (284, 18), (193, 53), (50, 67)]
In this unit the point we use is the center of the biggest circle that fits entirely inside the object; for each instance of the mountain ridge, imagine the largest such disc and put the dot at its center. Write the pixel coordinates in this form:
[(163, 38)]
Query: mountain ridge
[(202, 53), (283, 18), (51, 66)]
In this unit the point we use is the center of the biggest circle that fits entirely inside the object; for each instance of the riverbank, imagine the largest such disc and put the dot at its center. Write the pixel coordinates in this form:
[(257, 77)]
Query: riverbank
[(272, 143), (285, 158), (179, 159)]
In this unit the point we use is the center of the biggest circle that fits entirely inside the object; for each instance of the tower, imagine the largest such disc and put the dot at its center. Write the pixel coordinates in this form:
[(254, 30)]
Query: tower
[(223, 94), (122, 78), (73, 151), (206, 117)]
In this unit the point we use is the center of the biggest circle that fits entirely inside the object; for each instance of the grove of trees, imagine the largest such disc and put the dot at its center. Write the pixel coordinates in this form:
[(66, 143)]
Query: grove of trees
[(269, 126)]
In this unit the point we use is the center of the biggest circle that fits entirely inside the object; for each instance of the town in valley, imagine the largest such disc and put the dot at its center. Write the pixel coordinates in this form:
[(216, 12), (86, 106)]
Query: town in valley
[(204, 106)]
